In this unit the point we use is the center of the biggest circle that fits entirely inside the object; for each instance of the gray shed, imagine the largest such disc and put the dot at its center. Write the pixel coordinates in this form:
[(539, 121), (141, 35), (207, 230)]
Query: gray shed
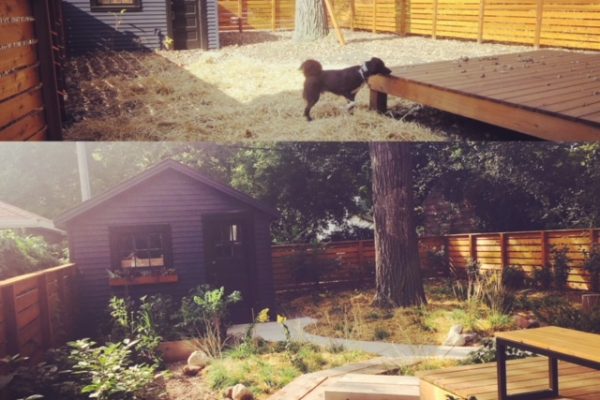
[(140, 24), (168, 230)]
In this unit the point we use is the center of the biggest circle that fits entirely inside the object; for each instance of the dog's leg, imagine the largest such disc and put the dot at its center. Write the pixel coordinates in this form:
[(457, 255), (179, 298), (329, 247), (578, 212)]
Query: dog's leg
[(351, 102), (310, 102)]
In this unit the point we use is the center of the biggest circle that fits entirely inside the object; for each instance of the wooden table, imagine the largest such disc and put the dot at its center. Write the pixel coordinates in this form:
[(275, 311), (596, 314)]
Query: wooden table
[(553, 342)]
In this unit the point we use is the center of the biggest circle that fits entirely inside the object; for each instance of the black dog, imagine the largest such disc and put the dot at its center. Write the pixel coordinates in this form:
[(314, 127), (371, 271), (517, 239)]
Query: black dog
[(343, 82)]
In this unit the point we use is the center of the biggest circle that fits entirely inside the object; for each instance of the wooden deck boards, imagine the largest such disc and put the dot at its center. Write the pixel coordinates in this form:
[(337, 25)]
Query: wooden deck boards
[(479, 380), (553, 95)]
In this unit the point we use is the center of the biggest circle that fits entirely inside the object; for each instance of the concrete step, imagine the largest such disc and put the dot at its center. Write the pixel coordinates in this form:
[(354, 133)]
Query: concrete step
[(373, 387)]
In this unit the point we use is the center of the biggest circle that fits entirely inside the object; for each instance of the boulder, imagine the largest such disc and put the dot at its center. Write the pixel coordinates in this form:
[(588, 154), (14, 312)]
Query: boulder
[(455, 337), (470, 338), (239, 392), (525, 320), (191, 370), (198, 359)]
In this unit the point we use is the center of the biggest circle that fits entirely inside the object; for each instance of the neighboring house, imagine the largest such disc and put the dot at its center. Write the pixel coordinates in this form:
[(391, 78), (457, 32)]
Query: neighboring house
[(12, 217), (168, 230), (140, 24)]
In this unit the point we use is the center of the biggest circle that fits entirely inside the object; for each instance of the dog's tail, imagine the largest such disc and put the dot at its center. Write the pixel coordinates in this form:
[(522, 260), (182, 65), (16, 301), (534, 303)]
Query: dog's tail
[(311, 68)]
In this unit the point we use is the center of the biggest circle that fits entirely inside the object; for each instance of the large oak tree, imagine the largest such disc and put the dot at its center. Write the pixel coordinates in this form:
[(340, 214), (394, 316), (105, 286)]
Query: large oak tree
[(311, 21), (397, 271)]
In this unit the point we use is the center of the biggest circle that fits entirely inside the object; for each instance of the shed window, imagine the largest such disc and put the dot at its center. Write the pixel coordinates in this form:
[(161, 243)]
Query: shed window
[(116, 5), (140, 247), (229, 241)]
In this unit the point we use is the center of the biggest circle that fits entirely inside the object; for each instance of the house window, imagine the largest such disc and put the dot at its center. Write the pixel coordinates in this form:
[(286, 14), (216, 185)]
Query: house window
[(140, 247), (116, 5), (228, 242)]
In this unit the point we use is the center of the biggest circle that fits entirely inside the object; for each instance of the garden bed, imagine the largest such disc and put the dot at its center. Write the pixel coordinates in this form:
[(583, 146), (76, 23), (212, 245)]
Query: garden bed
[(251, 89), (349, 314)]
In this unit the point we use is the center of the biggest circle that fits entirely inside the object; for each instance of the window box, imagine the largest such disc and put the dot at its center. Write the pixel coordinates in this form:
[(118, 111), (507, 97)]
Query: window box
[(143, 280), (115, 5)]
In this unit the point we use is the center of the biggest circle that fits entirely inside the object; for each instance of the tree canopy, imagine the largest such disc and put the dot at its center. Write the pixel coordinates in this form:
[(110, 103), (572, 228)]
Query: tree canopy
[(512, 186)]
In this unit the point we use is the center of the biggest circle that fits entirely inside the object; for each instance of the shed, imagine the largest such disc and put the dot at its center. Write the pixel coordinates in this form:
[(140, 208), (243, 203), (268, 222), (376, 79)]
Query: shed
[(140, 24), (168, 230)]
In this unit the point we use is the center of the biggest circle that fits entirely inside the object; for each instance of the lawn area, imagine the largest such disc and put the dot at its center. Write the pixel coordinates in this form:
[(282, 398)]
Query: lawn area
[(349, 314), (251, 89)]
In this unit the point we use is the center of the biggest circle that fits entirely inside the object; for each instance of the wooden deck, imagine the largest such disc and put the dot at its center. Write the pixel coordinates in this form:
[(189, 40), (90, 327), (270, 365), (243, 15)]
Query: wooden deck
[(553, 95), (531, 374)]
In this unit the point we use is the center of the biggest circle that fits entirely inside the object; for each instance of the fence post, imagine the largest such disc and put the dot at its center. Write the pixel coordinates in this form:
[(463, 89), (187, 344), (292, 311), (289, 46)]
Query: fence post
[(273, 15), (538, 23), (52, 111), (400, 17), (374, 16), (240, 9), (352, 12), (503, 258), (434, 22), (481, 15), (46, 324), (473, 247), (10, 319), (544, 237)]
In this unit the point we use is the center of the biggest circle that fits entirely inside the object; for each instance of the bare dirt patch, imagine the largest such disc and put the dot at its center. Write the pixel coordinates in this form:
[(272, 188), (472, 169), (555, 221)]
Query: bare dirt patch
[(251, 89)]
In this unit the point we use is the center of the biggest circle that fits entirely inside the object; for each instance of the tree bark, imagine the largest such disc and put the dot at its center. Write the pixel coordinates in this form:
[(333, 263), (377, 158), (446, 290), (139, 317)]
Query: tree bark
[(397, 269), (311, 21)]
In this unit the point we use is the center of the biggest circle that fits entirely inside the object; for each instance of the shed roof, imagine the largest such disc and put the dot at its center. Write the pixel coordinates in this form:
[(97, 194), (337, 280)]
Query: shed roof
[(13, 217), (154, 171)]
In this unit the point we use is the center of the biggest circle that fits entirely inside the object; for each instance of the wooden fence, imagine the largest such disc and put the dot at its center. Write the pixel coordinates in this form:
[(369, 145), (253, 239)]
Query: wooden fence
[(353, 263), (31, 52), (37, 311), (494, 251), (561, 23)]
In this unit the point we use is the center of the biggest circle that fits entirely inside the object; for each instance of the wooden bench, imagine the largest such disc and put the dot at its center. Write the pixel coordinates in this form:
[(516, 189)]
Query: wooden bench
[(553, 342), (374, 387)]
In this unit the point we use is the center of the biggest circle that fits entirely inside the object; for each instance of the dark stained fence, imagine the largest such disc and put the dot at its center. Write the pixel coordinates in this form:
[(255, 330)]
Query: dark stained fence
[(37, 311), (352, 263), (494, 251), (31, 51)]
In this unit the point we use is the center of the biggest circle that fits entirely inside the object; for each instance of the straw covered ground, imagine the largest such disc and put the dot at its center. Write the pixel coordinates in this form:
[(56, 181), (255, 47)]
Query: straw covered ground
[(251, 89)]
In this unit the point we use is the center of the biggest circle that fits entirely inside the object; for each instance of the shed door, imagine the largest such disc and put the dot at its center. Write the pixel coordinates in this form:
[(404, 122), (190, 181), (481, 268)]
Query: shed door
[(229, 259), (190, 29)]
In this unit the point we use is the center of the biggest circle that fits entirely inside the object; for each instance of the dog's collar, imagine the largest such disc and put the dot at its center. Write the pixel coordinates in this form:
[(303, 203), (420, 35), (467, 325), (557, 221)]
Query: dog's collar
[(363, 70)]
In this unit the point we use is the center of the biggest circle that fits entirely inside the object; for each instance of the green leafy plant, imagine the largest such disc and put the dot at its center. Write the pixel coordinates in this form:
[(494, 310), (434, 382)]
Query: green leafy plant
[(591, 265), (543, 278), (560, 266), (109, 370), (487, 353), (21, 254), (514, 277)]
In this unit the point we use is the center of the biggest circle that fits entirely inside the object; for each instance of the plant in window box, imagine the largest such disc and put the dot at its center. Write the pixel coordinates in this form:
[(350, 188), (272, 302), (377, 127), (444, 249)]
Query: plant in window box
[(144, 276)]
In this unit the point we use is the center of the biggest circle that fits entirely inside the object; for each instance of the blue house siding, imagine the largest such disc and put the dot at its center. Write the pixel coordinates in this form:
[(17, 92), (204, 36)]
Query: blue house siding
[(167, 198), (212, 14), (88, 30)]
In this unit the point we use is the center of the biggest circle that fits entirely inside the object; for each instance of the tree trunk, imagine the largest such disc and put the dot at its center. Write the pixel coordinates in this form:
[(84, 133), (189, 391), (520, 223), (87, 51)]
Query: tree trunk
[(397, 268), (311, 21)]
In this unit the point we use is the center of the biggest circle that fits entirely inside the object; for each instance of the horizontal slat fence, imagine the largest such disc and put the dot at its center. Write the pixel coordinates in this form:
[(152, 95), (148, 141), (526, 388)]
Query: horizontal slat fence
[(37, 311), (558, 23), (355, 263), (31, 50), (494, 251)]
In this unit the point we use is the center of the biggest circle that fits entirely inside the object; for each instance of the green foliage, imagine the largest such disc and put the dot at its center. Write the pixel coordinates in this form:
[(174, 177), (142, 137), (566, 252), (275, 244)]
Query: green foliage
[(591, 265), (110, 371), (560, 266), (561, 313), (514, 277), (543, 277), (21, 254), (437, 260), (381, 334), (137, 325)]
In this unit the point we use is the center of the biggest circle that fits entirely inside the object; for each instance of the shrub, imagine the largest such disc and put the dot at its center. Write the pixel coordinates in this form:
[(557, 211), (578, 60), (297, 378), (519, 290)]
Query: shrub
[(136, 325), (381, 334), (21, 254), (560, 266), (514, 277), (487, 353), (109, 370), (591, 265), (543, 277), (437, 260)]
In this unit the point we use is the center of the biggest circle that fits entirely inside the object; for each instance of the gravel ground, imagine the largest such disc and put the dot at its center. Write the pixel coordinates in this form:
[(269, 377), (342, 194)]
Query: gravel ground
[(251, 89)]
